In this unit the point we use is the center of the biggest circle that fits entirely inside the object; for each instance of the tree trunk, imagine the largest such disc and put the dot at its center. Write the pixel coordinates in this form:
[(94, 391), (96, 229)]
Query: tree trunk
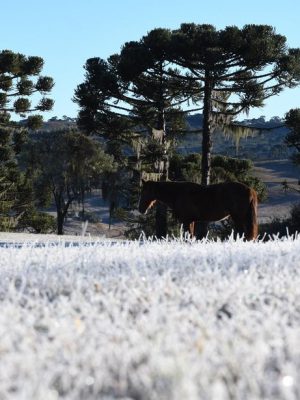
[(207, 130), (201, 228), (82, 202), (161, 218), (60, 223), (61, 211)]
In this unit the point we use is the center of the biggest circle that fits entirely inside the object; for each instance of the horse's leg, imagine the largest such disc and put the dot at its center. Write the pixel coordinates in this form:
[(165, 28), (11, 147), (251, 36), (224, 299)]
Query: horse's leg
[(201, 229), (242, 228), (192, 229), (186, 227), (238, 225), (250, 231)]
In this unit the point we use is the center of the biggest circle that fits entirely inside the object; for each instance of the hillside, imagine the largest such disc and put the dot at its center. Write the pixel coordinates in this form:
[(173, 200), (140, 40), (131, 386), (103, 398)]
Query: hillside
[(264, 144), (279, 202)]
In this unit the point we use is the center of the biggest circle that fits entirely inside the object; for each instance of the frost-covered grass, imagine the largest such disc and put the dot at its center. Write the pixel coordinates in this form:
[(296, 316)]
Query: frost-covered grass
[(154, 321)]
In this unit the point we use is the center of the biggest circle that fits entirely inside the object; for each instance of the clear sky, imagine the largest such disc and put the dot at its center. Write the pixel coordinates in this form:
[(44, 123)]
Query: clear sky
[(68, 32)]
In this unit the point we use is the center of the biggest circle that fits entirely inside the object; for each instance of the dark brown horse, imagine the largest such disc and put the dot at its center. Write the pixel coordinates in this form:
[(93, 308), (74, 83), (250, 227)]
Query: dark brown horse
[(191, 202)]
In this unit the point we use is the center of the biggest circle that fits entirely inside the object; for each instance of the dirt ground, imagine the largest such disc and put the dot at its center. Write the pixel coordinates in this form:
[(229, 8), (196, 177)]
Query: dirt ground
[(95, 205), (279, 201)]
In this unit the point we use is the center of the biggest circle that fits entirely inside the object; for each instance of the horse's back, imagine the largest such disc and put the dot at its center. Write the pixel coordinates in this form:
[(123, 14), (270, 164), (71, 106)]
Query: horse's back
[(209, 203), (223, 199), (236, 194)]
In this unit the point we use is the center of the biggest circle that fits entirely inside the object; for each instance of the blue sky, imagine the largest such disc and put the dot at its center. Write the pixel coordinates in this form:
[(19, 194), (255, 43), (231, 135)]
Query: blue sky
[(68, 32)]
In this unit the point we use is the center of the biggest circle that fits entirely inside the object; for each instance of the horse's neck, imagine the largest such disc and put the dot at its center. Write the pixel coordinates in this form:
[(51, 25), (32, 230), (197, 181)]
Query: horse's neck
[(166, 194)]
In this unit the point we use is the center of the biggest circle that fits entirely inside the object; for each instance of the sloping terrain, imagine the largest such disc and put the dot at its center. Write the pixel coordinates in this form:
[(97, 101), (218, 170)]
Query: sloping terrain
[(279, 202)]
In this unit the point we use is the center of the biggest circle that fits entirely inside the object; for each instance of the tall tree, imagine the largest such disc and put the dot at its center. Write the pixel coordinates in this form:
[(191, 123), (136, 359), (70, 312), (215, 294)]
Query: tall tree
[(223, 72), (133, 95), (143, 65), (237, 68), (20, 78)]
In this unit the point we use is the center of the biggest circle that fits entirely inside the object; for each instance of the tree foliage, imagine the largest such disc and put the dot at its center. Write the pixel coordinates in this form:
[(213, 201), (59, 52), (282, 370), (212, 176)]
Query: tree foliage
[(224, 169), (196, 67), (37, 221), (20, 79), (16, 195), (15, 186), (131, 98), (64, 164), (292, 139), (238, 69), (292, 121)]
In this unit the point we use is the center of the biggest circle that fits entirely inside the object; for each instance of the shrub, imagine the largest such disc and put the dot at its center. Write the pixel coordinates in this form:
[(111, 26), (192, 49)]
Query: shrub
[(277, 227), (295, 218), (89, 216), (38, 222)]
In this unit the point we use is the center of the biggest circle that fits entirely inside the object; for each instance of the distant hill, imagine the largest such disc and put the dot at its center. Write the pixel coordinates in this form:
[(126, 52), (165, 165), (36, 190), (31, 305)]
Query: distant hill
[(56, 123), (265, 144)]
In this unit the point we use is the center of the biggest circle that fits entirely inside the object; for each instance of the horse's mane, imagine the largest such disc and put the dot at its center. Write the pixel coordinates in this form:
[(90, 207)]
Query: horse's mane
[(177, 184)]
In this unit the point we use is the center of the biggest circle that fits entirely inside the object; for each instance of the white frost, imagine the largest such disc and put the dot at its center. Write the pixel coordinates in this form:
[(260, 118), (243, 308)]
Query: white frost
[(172, 320)]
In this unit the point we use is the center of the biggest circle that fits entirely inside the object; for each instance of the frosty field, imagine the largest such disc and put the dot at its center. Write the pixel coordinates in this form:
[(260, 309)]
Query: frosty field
[(146, 321)]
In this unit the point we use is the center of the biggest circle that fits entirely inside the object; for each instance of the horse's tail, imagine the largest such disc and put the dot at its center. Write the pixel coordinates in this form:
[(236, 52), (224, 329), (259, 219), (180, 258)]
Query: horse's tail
[(251, 219)]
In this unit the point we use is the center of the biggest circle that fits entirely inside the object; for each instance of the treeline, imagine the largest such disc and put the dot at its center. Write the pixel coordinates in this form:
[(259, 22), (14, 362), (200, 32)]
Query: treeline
[(133, 108), (267, 142)]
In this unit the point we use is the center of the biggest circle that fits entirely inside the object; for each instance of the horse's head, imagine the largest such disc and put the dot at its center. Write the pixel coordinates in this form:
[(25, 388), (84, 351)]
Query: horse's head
[(147, 199)]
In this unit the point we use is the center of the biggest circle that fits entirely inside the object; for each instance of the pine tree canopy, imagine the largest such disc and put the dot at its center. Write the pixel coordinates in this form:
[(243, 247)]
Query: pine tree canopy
[(252, 63), (196, 67), (19, 79)]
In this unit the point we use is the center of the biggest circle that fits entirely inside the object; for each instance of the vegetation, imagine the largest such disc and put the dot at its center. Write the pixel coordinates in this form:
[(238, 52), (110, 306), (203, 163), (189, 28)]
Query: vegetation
[(20, 79), (64, 164), (134, 99), (224, 169), (37, 222), (292, 121), (282, 227), (249, 65)]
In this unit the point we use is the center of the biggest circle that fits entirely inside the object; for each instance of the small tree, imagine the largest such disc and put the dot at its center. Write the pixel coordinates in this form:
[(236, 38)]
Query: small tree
[(64, 164), (292, 121), (292, 139), (16, 194)]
